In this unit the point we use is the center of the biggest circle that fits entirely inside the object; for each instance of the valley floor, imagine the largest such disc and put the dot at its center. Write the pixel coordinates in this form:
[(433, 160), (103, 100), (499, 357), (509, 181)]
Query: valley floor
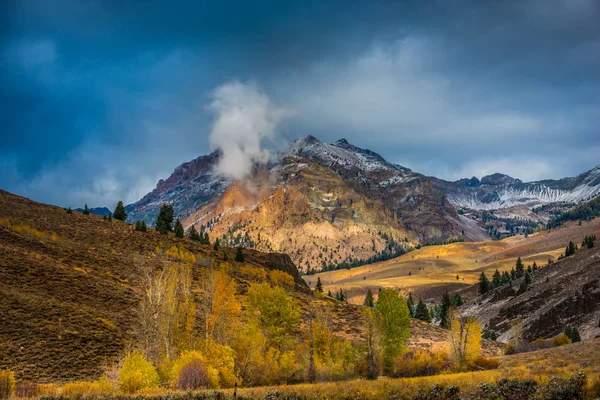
[(431, 270)]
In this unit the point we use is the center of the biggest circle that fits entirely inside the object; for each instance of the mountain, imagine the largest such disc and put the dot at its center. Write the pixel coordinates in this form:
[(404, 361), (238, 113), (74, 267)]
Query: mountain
[(102, 211), (348, 203), (337, 205), (501, 192)]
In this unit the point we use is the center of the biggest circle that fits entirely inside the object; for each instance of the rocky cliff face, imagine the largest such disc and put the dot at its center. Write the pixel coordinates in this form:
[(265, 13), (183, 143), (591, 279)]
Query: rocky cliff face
[(565, 293), (191, 186)]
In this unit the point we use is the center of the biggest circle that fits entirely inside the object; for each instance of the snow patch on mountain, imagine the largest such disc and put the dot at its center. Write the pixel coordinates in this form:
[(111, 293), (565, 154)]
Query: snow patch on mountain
[(530, 196)]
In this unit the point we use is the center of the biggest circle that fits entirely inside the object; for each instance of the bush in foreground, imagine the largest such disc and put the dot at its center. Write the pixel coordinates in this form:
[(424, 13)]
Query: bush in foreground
[(137, 373)]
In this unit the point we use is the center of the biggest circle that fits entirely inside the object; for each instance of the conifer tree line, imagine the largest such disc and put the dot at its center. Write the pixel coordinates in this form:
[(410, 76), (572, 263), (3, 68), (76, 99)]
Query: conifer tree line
[(500, 279)]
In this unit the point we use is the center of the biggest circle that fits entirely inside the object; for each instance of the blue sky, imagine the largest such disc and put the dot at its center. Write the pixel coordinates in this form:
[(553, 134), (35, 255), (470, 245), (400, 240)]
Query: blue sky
[(100, 99)]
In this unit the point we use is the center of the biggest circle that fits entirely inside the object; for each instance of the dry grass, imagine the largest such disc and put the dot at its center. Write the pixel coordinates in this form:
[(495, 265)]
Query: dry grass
[(68, 305), (540, 366), (431, 270)]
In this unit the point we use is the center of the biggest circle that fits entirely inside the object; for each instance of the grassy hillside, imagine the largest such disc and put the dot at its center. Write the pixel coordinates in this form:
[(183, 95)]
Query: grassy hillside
[(70, 286), (429, 271)]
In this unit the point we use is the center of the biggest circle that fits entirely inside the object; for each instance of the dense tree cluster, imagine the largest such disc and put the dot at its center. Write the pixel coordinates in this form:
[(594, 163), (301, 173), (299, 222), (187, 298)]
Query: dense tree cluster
[(583, 212)]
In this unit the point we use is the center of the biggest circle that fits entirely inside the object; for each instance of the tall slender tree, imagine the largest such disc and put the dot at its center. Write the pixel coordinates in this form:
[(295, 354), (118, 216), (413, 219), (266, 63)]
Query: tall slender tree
[(484, 284), (444, 310), (179, 229), (411, 305)]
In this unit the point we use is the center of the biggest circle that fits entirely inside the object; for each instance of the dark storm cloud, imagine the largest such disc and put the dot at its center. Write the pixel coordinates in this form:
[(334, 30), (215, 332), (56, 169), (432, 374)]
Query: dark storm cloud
[(99, 99)]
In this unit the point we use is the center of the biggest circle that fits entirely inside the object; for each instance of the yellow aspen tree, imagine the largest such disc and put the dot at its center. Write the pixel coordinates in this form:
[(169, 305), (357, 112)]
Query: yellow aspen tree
[(465, 340)]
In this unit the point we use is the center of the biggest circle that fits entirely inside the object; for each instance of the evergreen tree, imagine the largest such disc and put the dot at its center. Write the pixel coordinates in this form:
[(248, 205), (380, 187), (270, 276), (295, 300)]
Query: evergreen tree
[(239, 256), (178, 229), (484, 284), (497, 279), (86, 210), (164, 220), (329, 293), (411, 305), (206, 238), (570, 250), (527, 278), (457, 301), (120, 213), (513, 274), (588, 241), (138, 225), (505, 277), (421, 311), (319, 287), (216, 246), (225, 257), (68, 210), (144, 228), (109, 219), (534, 266), (369, 301), (520, 268), (193, 234), (444, 311), (573, 334)]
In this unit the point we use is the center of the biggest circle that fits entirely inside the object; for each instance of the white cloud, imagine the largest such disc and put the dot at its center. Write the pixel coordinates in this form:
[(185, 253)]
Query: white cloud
[(244, 118)]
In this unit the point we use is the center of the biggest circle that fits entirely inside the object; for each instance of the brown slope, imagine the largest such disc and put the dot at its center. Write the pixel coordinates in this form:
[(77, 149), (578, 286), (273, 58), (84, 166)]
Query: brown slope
[(69, 287)]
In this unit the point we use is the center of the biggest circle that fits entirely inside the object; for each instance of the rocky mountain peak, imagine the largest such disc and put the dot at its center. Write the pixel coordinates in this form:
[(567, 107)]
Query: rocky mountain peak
[(499, 179)]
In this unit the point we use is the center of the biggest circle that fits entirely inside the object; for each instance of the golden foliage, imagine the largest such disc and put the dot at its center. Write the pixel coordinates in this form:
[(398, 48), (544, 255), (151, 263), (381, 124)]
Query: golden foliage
[(7, 383), (217, 359), (28, 230), (219, 308), (465, 340), (101, 387), (420, 363), (255, 273), (179, 252), (487, 362), (281, 278), (137, 373), (167, 310), (560, 340)]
